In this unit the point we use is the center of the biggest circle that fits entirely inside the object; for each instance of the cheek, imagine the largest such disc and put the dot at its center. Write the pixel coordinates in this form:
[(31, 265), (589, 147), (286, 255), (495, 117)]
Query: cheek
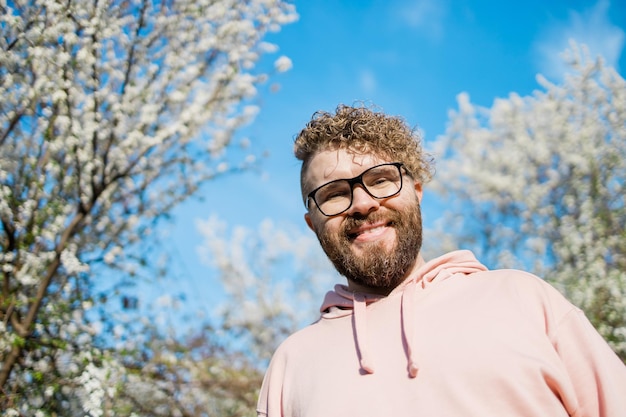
[(332, 226), (405, 200)]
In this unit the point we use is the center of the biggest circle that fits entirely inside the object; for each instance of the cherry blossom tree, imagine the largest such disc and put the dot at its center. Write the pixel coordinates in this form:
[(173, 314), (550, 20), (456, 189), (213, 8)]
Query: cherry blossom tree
[(271, 293), (195, 376), (539, 182), (112, 113)]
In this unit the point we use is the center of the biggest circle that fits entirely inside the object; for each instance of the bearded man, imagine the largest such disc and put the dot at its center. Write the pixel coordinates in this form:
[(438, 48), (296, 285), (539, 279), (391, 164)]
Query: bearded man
[(407, 337)]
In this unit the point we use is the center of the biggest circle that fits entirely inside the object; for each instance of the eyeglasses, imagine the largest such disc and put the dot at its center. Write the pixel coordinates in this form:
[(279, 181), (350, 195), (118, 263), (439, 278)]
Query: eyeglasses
[(335, 197)]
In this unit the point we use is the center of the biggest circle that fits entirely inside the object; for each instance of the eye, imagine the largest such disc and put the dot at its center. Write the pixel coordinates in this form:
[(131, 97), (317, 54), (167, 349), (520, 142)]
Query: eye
[(380, 180), (380, 177), (333, 190)]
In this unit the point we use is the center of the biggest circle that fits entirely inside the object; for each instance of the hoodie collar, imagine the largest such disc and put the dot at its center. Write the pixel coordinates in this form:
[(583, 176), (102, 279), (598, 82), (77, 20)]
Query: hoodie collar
[(347, 302)]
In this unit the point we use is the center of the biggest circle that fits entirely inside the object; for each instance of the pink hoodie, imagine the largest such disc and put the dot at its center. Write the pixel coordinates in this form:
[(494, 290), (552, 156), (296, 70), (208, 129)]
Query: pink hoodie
[(454, 340)]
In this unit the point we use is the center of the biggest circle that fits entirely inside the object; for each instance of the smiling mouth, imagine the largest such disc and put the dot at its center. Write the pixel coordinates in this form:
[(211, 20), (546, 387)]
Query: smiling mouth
[(367, 230)]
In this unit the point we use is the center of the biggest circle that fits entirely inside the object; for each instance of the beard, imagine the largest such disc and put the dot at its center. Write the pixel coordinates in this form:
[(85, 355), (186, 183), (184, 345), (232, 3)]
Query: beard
[(377, 266)]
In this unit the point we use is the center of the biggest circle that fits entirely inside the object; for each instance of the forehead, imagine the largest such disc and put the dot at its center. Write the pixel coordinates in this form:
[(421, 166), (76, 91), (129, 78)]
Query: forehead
[(330, 165)]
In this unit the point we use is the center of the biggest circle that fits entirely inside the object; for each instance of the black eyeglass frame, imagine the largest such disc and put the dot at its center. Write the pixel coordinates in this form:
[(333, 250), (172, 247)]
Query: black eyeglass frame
[(352, 182)]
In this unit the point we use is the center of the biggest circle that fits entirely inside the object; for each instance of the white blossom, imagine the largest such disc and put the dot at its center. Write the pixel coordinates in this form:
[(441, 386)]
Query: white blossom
[(281, 283), (71, 263), (106, 108), (283, 64), (539, 183)]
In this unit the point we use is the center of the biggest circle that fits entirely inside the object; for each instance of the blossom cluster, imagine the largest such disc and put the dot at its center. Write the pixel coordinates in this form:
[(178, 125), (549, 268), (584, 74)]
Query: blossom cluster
[(112, 112), (539, 183)]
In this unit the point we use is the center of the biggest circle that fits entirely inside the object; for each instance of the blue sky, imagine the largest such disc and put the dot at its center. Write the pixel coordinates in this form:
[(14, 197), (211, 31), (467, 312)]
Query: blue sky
[(410, 58)]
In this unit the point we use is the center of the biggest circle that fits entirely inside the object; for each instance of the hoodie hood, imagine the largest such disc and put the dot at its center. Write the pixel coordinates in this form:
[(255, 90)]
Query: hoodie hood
[(343, 302)]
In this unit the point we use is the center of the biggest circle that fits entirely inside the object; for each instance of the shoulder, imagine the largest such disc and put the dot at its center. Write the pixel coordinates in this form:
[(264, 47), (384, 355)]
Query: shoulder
[(529, 290), (513, 275), (302, 338), (517, 279)]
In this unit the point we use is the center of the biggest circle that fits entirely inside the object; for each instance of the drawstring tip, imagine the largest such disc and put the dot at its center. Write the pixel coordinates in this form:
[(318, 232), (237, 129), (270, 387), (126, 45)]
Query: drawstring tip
[(413, 370), (367, 368)]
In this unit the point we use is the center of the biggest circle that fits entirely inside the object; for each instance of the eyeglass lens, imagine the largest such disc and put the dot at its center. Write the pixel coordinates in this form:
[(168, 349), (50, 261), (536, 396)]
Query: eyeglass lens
[(380, 181)]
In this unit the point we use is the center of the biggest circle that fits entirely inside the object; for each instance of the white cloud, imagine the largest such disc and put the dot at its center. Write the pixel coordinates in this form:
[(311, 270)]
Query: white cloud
[(424, 15), (591, 27), (367, 81)]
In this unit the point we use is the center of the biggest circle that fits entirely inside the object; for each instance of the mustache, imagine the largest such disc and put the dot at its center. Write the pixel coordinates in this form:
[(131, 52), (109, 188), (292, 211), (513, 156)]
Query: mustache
[(352, 222)]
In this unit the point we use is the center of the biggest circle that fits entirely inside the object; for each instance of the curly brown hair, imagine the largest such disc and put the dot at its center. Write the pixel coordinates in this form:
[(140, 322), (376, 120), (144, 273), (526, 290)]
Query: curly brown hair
[(364, 130)]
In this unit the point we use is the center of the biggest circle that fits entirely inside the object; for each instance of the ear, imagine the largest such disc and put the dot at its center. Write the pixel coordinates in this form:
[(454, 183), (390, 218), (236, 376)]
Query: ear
[(419, 191), (307, 219)]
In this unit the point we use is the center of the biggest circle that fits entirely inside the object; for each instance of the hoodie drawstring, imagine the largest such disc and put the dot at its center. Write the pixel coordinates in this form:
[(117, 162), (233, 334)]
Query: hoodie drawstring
[(359, 304), (360, 332), (409, 296), (439, 269)]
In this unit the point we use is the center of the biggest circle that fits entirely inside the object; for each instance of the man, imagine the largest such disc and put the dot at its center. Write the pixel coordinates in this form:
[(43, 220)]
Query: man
[(407, 337)]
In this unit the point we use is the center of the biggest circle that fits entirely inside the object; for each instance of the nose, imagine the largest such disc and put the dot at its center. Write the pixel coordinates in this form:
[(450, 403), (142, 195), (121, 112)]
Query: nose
[(362, 202)]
